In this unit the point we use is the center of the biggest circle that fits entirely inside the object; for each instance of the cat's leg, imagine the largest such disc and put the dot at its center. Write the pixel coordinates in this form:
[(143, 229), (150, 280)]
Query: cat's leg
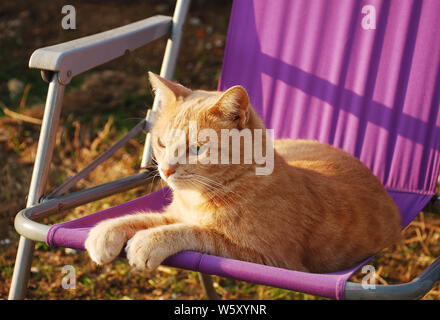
[(105, 240), (148, 248)]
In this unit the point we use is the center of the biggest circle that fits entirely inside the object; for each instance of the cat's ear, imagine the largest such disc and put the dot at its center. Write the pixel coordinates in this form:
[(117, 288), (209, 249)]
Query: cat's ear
[(233, 105), (166, 91)]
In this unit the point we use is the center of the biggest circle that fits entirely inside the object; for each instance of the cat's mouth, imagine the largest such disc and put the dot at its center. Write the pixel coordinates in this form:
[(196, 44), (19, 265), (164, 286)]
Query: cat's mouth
[(176, 181), (183, 182)]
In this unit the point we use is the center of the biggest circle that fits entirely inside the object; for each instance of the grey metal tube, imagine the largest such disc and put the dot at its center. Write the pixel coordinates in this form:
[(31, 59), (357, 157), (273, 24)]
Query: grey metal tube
[(46, 142), (25, 220), (96, 162), (415, 289), (168, 62), (173, 44), (40, 172), (68, 58), (74, 199), (30, 229)]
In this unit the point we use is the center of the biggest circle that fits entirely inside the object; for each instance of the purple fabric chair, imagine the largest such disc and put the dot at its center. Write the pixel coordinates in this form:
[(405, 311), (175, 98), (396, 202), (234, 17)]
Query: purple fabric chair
[(374, 93), (313, 71)]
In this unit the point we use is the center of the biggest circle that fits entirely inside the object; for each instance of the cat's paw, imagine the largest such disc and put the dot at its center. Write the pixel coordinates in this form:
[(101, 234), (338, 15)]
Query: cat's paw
[(147, 249), (105, 242)]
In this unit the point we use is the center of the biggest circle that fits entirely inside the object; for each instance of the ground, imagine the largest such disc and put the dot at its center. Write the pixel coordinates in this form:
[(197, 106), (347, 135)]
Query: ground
[(99, 107)]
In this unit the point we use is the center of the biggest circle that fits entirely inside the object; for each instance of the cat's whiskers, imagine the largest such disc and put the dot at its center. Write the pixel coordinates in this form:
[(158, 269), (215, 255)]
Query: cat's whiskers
[(214, 185), (225, 197), (152, 181), (208, 193), (218, 184), (192, 179)]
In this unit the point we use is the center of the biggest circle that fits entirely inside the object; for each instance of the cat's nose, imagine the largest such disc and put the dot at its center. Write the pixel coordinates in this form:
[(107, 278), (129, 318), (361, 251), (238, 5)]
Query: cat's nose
[(167, 172)]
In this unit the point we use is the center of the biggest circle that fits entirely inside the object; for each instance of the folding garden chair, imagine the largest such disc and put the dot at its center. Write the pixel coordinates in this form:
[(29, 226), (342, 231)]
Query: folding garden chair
[(313, 70)]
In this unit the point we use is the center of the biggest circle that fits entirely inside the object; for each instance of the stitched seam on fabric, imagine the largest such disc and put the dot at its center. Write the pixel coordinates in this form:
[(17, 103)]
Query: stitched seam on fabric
[(344, 280), (424, 192), (51, 235), (340, 292), (200, 261)]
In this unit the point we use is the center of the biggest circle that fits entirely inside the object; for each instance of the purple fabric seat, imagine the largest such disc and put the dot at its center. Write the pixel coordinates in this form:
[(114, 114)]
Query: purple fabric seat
[(72, 234), (313, 72)]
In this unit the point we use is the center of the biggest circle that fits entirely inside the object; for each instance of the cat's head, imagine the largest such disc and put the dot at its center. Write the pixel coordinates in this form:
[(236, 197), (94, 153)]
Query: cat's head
[(186, 161)]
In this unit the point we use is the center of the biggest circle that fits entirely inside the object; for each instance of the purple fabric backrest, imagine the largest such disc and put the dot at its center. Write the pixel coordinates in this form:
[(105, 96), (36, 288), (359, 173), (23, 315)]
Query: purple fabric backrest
[(313, 71)]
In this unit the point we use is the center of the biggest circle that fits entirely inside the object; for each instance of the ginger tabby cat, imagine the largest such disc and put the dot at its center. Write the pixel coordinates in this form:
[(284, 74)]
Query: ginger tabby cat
[(320, 210)]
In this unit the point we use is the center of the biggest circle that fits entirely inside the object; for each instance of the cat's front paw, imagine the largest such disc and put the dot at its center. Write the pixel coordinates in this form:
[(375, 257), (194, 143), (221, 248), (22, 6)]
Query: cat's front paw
[(147, 249), (105, 242)]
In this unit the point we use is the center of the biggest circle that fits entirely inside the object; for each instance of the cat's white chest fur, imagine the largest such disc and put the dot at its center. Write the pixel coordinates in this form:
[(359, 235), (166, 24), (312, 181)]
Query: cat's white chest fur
[(190, 202)]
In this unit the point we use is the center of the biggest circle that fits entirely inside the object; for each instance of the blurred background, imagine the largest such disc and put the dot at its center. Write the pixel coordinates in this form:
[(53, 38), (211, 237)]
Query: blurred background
[(99, 107)]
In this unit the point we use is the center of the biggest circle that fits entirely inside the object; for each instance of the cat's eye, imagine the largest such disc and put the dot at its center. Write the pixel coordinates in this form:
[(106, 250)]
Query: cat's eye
[(160, 142), (197, 150), (194, 149)]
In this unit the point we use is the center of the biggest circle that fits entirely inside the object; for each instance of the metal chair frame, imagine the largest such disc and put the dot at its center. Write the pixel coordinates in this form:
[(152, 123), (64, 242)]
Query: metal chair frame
[(58, 65)]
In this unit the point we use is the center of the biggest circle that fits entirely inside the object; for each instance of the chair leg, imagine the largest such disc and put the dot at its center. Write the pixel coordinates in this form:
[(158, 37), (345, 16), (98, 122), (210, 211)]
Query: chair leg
[(206, 281), (22, 268), (40, 174)]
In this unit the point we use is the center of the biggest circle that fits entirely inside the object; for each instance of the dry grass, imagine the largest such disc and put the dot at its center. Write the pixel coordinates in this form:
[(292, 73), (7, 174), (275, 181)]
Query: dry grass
[(80, 144), (407, 259), (101, 107)]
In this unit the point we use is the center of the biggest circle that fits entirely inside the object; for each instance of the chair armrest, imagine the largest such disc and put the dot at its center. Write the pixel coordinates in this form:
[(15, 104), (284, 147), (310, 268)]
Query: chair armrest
[(76, 56), (26, 225)]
